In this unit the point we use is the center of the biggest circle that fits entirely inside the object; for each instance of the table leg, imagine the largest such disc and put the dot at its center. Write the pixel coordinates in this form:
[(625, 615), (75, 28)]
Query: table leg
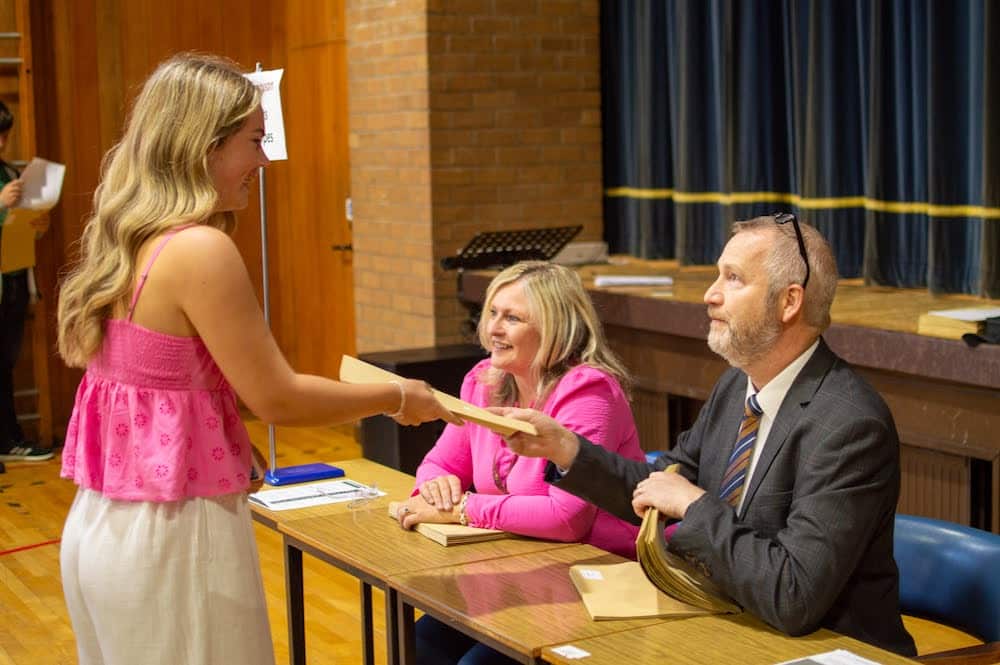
[(392, 655), (406, 635), (367, 636), (295, 606)]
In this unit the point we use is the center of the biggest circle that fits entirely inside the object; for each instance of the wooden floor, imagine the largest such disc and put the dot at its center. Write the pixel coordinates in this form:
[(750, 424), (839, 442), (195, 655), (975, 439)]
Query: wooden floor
[(34, 626)]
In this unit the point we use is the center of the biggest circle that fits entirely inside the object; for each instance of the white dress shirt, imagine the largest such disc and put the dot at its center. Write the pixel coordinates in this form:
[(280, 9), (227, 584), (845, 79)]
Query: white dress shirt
[(770, 398)]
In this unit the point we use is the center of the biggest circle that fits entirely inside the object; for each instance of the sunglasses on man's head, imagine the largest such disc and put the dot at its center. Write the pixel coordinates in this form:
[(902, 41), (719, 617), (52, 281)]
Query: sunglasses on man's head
[(784, 218)]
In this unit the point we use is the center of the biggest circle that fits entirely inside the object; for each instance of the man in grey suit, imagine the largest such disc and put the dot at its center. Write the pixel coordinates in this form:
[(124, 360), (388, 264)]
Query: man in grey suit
[(788, 480)]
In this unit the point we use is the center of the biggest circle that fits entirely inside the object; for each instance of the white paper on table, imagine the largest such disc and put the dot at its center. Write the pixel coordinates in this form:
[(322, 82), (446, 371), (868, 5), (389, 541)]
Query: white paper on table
[(316, 494), (571, 652), (968, 313), (838, 657), (274, 122), (633, 280)]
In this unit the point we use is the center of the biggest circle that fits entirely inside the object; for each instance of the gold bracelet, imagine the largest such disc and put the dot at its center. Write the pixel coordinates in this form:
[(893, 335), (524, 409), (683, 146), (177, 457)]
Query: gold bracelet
[(463, 519)]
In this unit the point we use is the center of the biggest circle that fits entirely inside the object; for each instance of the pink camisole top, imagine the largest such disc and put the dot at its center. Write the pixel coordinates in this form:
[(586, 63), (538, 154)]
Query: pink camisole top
[(154, 418)]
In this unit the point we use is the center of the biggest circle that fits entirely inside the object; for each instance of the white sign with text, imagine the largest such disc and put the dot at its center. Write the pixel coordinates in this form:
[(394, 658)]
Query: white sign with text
[(274, 123)]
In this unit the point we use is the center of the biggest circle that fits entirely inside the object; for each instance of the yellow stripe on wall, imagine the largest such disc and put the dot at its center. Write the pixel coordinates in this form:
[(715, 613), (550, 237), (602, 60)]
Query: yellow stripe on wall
[(803, 203)]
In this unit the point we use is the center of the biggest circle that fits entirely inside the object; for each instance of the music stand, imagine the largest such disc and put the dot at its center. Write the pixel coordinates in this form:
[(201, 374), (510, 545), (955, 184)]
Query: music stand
[(499, 249)]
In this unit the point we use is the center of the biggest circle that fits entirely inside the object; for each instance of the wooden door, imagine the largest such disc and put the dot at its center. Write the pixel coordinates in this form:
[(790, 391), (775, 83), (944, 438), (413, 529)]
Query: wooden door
[(313, 290)]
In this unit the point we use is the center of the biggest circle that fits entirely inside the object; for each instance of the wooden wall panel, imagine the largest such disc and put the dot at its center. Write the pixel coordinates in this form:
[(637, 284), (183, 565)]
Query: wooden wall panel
[(312, 23), (934, 484), (652, 418), (92, 58)]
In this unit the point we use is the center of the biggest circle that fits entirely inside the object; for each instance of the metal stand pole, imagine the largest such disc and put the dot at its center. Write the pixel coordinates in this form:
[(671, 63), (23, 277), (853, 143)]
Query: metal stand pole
[(265, 285)]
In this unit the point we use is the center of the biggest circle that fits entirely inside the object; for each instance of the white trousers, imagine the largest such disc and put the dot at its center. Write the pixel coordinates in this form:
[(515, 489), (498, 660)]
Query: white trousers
[(164, 583)]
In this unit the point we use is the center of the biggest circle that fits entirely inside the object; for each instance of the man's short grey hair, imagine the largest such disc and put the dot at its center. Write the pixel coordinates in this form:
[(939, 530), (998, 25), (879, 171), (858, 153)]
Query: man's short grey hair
[(784, 266)]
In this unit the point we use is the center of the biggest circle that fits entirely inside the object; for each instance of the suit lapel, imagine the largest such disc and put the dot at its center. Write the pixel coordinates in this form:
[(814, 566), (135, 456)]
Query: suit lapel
[(798, 397)]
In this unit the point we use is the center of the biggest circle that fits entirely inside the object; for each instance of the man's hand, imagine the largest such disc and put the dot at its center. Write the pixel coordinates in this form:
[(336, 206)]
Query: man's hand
[(554, 442), (11, 193), (670, 493), (443, 491), (415, 510)]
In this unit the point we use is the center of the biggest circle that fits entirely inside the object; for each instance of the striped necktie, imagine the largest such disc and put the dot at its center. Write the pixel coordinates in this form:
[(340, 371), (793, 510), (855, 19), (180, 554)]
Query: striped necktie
[(739, 460)]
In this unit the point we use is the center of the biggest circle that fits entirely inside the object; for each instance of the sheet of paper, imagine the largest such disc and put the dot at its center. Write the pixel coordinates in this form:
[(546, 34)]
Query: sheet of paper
[(316, 494), (274, 121), (43, 182), (633, 280), (838, 657), (968, 313), (571, 652)]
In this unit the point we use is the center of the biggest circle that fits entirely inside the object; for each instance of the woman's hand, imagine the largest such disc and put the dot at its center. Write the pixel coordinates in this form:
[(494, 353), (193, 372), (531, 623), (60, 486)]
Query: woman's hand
[(11, 193), (415, 510), (420, 405), (443, 492)]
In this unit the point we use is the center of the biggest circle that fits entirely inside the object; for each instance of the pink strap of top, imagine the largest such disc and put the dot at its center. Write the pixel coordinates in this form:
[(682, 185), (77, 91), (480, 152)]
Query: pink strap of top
[(149, 264)]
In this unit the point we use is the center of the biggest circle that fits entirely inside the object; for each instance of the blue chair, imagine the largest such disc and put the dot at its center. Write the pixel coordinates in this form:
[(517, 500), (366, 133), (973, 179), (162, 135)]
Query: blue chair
[(950, 573)]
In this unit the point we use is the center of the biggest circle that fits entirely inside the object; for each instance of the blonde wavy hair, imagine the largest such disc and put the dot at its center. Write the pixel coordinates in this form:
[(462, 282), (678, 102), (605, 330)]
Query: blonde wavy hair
[(571, 334), (154, 179)]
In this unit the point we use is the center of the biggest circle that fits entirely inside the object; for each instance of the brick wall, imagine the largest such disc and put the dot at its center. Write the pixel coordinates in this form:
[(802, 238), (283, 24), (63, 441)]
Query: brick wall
[(390, 173), (466, 115)]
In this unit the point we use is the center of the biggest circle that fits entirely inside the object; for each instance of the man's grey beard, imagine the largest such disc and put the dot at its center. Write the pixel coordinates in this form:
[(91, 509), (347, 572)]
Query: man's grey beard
[(742, 346)]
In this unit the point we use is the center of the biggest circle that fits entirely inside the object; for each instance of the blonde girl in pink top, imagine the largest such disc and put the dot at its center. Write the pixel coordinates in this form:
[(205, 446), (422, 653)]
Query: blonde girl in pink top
[(548, 352), (159, 562)]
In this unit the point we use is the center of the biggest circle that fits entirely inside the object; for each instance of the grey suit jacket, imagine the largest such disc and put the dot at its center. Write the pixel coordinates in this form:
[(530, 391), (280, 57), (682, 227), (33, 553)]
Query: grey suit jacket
[(813, 544)]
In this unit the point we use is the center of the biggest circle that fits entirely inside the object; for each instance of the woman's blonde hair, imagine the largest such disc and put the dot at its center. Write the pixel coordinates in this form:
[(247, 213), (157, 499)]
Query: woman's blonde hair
[(570, 331), (155, 179)]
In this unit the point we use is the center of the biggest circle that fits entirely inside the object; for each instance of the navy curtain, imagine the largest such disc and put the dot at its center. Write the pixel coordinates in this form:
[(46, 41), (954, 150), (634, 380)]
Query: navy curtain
[(870, 118)]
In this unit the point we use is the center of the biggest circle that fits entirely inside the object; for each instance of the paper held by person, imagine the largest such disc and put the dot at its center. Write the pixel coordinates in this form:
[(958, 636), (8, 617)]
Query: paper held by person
[(353, 370), (42, 187)]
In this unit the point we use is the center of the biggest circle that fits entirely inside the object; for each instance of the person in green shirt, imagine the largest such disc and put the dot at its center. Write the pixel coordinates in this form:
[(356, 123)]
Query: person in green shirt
[(13, 310)]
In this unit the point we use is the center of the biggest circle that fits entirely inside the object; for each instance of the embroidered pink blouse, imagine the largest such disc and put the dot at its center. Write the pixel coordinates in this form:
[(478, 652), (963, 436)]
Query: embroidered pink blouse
[(586, 401), (154, 419)]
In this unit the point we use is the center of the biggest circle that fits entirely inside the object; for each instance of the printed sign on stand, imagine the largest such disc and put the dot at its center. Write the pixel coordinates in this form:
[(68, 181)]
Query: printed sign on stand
[(274, 123)]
